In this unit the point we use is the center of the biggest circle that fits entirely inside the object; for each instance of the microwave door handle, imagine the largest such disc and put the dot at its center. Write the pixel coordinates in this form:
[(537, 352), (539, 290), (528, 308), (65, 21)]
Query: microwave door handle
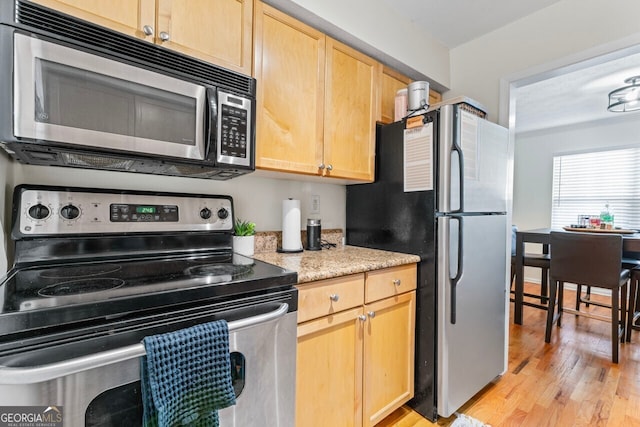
[(212, 114)]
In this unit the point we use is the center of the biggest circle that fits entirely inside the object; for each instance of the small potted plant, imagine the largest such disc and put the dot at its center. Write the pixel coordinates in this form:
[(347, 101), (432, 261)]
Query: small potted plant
[(244, 237)]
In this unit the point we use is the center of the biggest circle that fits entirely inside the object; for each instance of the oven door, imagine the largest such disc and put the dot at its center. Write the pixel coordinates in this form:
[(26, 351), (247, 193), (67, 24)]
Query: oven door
[(103, 389), (70, 96)]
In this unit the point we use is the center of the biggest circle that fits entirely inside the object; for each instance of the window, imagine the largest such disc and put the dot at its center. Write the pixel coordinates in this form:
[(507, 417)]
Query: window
[(584, 183)]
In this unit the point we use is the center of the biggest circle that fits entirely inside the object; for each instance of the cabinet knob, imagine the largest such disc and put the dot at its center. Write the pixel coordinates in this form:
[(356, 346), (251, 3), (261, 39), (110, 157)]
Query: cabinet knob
[(334, 297), (147, 30), (372, 314), (321, 166), (164, 36), (329, 167), (397, 282), (362, 317)]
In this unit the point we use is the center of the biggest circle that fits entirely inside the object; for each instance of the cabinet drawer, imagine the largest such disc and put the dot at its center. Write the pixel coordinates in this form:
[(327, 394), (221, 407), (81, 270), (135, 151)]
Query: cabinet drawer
[(390, 281), (317, 299)]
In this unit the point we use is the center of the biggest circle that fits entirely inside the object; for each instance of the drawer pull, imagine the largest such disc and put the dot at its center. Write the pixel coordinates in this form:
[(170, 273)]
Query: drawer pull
[(334, 297), (397, 282), (372, 314), (362, 317)]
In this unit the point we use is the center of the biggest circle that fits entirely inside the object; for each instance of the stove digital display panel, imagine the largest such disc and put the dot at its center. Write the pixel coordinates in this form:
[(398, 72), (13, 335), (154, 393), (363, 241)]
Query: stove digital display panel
[(126, 212)]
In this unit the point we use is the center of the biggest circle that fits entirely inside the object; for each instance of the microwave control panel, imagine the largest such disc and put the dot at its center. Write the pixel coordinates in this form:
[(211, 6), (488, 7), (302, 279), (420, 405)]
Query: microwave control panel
[(234, 130)]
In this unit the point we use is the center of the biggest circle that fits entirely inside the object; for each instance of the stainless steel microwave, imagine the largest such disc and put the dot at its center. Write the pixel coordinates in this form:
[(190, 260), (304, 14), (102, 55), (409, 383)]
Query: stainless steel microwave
[(76, 94)]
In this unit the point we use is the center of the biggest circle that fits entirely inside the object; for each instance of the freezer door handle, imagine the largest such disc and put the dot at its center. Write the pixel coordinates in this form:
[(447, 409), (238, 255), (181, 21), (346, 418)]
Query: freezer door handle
[(459, 268)]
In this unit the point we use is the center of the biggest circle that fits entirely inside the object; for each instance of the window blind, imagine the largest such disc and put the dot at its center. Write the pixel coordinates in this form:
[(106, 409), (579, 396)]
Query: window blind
[(584, 183)]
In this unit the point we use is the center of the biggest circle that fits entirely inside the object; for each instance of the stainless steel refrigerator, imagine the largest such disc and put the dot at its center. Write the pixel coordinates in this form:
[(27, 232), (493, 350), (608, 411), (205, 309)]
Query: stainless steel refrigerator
[(441, 192)]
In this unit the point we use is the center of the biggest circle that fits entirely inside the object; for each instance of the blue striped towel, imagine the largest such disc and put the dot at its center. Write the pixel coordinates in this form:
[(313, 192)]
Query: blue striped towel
[(186, 376)]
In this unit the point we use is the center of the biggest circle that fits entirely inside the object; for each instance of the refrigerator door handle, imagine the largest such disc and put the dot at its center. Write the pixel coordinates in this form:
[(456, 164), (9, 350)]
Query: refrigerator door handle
[(458, 149), (459, 268)]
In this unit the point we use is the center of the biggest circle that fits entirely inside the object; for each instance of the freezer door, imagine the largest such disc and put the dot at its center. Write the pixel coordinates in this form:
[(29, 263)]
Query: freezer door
[(472, 309), (473, 162)]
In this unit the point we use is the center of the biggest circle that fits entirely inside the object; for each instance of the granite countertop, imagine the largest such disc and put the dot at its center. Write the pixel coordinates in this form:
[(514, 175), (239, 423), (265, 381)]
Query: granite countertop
[(335, 262)]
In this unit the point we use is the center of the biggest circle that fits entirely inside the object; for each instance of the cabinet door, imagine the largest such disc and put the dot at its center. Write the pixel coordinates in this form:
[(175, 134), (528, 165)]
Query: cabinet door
[(324, 297), (125, 16), (217, 31), (289, 67), (388, 356), (352, 107), (434, 97), (392, 82), (329, 371)]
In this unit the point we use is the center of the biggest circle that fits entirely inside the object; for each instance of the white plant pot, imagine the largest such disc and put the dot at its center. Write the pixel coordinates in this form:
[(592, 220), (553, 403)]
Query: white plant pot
[(243, 245)]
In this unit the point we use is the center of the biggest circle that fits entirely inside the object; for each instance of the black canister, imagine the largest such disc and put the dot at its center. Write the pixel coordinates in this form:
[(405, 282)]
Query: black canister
[(313, 235)]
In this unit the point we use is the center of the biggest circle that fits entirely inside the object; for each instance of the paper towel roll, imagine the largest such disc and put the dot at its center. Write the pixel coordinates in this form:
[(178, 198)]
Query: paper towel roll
[(291, 237)]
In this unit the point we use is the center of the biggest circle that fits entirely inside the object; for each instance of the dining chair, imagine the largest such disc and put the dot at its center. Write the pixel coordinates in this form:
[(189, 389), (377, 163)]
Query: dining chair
[(541, 261), (594, 260), (630, 261), (633, 311)]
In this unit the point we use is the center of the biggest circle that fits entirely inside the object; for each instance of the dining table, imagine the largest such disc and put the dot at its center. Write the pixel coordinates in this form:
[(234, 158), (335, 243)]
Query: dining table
[(630, 243)]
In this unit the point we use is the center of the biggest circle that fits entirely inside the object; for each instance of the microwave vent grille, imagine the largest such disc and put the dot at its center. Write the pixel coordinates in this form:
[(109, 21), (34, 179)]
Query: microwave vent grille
[(112, 43), (37, 155), (192, 171), (93, 161)]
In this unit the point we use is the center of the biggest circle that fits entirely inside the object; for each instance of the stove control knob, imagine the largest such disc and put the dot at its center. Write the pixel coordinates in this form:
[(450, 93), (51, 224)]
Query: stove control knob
[(70, 212), (38, 211), (223, 213), (205, 213)]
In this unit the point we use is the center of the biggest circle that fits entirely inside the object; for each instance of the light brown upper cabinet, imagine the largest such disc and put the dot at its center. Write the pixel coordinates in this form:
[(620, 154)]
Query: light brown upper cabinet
[(318, 100), (216, 31), (392, 81)]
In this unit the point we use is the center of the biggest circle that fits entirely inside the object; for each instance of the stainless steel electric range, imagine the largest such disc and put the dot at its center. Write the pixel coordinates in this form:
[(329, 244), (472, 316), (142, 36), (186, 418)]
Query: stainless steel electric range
[(96, 271)]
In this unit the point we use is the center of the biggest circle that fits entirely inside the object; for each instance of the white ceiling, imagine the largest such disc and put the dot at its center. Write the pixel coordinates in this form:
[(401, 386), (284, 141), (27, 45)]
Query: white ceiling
[(576, 96), (566, 98), (455, 22)]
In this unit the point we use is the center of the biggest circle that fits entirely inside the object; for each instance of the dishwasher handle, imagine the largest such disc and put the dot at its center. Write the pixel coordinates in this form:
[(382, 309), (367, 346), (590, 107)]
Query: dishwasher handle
[(36, 374)]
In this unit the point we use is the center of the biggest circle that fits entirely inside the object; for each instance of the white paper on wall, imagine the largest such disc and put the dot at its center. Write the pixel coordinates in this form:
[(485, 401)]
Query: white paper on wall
[(418, 158)]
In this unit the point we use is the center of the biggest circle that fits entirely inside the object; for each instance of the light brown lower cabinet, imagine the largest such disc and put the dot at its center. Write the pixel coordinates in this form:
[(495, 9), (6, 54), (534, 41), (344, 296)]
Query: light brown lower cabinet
[(388, 356), (355, 357)]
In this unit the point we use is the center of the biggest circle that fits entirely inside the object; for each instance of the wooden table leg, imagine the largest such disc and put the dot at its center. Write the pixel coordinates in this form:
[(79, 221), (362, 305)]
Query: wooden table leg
[(519, 285)]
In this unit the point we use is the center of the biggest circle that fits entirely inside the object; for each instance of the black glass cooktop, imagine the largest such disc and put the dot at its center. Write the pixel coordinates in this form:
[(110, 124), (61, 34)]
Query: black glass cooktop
[(36, 297)]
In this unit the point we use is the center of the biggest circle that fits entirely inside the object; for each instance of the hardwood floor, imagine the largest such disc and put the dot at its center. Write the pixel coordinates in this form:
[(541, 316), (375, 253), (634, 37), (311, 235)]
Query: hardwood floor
[(569, 382)]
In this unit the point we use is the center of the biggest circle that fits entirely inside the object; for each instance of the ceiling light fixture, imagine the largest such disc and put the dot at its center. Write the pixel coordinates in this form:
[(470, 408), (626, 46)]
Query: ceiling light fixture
[(626, 98)]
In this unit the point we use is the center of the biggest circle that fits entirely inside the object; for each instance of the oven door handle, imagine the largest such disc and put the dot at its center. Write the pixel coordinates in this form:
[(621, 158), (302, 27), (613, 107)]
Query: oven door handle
[(51, 371)]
